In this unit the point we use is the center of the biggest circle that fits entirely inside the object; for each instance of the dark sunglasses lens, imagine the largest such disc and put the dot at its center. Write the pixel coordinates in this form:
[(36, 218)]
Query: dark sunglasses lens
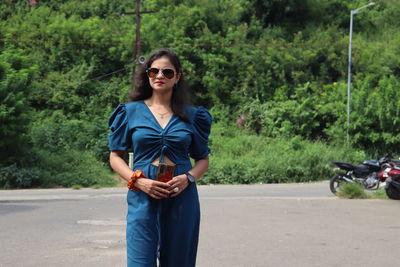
[(152, 73), (168, 73)]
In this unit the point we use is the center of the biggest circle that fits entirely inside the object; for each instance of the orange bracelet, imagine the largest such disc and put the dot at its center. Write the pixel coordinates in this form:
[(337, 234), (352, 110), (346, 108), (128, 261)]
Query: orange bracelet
[(135, 175)]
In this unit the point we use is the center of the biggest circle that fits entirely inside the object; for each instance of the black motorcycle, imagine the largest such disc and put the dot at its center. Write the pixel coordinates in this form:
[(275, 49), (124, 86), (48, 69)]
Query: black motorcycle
[(365, 174)]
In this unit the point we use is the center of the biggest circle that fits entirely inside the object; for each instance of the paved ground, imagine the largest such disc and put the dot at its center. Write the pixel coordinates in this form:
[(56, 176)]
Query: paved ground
[(257, 225)]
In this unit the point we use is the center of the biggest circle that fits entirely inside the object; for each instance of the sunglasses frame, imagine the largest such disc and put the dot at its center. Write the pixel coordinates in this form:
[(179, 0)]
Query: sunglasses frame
[(162, 71)]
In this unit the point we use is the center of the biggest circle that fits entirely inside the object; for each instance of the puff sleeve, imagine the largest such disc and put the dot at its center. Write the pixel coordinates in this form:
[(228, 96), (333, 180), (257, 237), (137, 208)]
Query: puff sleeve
[(119, 137), (201, 129)]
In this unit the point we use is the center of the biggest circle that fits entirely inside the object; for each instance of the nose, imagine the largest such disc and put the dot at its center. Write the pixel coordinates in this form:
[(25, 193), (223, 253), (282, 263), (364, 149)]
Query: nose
[(160, 74)]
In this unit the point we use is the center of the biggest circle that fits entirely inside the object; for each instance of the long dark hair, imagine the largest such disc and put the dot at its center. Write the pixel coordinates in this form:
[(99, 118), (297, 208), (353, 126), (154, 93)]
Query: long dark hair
[(142, 89)]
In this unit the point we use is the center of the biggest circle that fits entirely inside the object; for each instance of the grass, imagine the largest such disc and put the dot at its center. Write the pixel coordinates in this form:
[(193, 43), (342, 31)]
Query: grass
[(380, 194), (356, 191), (76, 187), (351, 191)]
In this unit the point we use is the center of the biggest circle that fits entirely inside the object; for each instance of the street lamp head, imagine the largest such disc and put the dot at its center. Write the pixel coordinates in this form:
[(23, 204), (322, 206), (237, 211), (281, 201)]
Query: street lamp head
[(358, 9)]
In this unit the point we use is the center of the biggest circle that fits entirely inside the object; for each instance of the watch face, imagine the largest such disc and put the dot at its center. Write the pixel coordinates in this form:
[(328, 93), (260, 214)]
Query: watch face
[(191, 178)]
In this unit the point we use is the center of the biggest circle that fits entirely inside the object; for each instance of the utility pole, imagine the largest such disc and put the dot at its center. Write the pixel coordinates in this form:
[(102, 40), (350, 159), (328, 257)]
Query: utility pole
[(136, 52)]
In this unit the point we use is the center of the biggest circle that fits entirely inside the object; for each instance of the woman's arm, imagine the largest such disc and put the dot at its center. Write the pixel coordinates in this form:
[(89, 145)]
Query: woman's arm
[(155, 189), (119, 165), (181, 181), (200, 167)]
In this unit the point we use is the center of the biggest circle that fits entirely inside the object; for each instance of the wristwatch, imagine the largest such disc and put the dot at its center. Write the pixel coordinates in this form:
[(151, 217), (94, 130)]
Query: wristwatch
[(191, 178)]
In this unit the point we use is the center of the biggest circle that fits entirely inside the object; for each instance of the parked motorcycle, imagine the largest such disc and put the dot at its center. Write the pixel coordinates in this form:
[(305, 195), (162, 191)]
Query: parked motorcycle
[(391, 174), (365, 174)]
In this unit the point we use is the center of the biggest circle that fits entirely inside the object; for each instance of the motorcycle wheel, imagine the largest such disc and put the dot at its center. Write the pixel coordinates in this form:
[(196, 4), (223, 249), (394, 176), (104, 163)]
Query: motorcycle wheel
[(335, 182), (392, 192)]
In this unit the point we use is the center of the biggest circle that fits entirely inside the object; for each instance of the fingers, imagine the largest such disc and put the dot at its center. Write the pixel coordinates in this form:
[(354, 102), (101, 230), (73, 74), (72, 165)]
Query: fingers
[(156, 189), (174, 182), (177, 185), (160, 190), (157, 195), (161, 187)]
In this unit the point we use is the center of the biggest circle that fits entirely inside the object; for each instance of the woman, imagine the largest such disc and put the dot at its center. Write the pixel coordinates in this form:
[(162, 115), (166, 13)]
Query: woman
[(163, 217)]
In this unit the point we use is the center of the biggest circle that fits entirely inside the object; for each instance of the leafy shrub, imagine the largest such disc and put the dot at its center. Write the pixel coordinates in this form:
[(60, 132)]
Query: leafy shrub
[(375, 119), (58, 133), (14, 177), (240, 157), (65, 168), (72, 167), (16, 73)]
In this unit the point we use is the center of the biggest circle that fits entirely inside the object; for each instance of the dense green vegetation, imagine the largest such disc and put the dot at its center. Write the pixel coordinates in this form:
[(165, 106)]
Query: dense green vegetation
[(249, 158), (281, 65)]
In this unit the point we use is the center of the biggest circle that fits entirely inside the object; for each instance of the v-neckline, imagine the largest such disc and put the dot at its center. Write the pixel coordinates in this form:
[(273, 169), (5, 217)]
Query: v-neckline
[(155, 119)]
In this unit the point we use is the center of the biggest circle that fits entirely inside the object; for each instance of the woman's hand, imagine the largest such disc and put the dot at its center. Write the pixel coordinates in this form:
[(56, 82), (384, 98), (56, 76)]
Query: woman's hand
[(180, 182), (155, 189)]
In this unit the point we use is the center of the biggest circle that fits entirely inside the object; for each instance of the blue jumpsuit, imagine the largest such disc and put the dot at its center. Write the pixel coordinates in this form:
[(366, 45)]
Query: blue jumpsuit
[(167, 229)]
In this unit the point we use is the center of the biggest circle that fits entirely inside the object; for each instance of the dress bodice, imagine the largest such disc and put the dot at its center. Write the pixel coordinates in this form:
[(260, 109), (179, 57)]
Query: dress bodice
[(134, 126)]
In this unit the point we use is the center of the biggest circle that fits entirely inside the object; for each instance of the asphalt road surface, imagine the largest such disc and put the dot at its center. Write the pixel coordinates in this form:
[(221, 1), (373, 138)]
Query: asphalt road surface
[(242, 225)]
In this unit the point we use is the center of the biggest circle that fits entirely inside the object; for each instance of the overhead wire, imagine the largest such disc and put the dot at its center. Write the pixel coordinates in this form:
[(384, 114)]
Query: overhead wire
[(311, 44), (92, 79), (175, 45)]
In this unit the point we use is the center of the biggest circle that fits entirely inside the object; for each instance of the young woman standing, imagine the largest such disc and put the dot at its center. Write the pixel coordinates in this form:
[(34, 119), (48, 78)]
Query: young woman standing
[(163, 216)]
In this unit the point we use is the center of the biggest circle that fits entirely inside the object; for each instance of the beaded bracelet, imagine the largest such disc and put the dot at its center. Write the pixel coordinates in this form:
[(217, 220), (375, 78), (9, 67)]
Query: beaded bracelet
[(135, 175)]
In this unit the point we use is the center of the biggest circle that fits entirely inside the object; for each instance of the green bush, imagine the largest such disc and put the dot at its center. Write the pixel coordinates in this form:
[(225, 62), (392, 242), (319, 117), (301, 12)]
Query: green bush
[(59, 133), (65, 168), (72, 167), (16, 73), (244, 158), (14, 177)]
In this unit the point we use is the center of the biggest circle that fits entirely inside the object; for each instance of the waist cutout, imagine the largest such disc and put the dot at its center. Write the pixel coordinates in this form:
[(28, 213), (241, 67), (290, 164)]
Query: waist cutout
[(166, 160)]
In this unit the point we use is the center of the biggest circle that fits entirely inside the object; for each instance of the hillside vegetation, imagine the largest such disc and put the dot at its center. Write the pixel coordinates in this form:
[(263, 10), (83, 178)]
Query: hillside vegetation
[(280, 65)]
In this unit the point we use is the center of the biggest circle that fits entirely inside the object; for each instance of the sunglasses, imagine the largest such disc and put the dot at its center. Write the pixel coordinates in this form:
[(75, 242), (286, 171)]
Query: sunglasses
[(153, 72)]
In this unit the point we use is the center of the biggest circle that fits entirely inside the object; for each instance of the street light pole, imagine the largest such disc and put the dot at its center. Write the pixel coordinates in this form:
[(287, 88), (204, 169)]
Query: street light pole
[(136, 52), (352, 12)]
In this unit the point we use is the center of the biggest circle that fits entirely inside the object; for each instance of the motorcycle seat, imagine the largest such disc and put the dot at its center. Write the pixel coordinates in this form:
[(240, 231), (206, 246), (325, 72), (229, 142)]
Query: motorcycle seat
[(359, 170), (344, 165)]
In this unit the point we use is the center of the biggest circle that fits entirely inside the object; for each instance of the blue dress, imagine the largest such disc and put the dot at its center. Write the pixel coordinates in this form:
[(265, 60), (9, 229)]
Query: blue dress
[(167, 229)]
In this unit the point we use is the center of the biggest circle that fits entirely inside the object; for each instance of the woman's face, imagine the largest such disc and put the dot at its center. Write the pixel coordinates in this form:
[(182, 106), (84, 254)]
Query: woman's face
[(159, 82)]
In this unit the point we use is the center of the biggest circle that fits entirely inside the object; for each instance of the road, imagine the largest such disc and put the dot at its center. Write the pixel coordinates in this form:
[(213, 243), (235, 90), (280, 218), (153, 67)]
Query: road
[(242, 225)]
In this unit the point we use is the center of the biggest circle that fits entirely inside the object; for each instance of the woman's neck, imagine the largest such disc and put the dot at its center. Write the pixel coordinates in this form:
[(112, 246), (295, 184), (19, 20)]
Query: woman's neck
[(159, 100)]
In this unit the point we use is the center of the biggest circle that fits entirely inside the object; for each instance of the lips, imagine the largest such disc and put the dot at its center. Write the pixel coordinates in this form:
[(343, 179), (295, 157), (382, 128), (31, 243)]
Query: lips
[(159, 82)]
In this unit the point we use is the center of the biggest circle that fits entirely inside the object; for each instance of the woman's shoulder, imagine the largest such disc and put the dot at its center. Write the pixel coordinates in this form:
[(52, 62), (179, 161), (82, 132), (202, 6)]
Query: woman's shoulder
[(124, 110), (132, 107), (198, 114)]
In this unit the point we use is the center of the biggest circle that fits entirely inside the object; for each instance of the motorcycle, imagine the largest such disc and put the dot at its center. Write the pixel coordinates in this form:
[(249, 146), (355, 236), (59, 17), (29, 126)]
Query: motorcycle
[(365, 174), (391, 174)]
